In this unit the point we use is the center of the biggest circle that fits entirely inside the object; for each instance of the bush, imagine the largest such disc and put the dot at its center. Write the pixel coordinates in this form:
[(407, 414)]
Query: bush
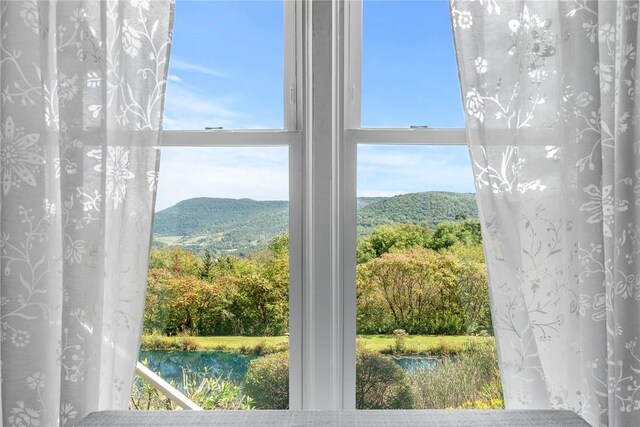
[(380, 383), (187, 341), (469, 380), (267, 381), (400, 338), (155, 341)]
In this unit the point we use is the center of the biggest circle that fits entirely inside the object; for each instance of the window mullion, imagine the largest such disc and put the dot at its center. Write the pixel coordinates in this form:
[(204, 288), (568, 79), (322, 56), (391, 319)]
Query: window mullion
[(324, 355)]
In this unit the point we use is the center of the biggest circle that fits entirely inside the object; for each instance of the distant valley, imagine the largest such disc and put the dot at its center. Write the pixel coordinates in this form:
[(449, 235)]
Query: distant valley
[(241, 226)]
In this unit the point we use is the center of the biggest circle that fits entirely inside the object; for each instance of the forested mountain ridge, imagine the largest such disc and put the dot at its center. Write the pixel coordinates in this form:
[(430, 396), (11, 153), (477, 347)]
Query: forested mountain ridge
[(240, 226), (430, 207), (223, 226)]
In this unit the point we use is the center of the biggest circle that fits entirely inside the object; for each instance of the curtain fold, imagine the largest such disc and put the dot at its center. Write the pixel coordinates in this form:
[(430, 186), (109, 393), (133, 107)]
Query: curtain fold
[(549, 89), (82, 85)]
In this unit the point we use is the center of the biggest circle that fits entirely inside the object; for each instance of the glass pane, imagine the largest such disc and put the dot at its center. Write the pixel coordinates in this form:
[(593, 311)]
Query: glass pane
[(227, 65), (424, 329), (218, 280), (409, 71)]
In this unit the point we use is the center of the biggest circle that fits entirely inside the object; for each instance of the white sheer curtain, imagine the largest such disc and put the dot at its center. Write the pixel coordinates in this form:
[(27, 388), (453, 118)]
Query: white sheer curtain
[(81, 96), (549, 91)]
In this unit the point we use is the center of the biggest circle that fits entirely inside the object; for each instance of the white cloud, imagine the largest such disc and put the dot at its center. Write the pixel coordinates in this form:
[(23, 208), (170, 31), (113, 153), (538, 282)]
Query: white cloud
[(174, 78), (387, 170), (183, 65), (261, 173), (387, 159), (187, 108), (376, 193), (243, 172)]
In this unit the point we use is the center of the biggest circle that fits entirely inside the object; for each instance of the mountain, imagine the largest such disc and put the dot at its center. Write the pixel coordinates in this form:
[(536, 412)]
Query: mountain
[(240, 226), (430, 207), (221, 225)]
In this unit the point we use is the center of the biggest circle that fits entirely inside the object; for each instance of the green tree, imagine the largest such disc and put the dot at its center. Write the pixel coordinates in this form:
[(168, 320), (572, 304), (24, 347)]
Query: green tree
[(207, 263), (449, 233), (155, 310), (372, 312), (386, 238), (473, 287), (260, 300), (419, 288), (176, 260)]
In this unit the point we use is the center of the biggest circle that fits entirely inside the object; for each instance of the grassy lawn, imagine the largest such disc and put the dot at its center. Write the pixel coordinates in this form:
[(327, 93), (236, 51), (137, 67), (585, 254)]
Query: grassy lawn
[(413, 344), (419, 344), (233, 344)]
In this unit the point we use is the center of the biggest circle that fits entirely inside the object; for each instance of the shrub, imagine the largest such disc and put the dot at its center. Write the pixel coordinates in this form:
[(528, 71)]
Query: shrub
[(380, 383), (155, 341), (187, 341), (470, 380), (267, 381), (400, 338), (495, 403)]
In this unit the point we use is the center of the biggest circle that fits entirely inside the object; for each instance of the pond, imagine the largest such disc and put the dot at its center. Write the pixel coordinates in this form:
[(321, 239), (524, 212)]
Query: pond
[(169, 364), (408, 363)]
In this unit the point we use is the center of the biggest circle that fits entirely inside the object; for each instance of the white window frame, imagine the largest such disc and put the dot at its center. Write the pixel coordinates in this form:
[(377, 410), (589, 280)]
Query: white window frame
[(290, 136), (322, 129), (355, 134)]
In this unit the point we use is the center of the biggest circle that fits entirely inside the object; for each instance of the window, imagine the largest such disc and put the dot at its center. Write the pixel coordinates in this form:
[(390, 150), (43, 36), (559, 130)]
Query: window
[(224, 273), (409, 71), (230, 74), (423, 318), (218, 278), (417, 279), (369, 110)]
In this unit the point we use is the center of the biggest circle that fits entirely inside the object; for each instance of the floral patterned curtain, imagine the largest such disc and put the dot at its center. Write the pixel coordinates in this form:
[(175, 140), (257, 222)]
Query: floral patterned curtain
[(81, 97), (549, 91)]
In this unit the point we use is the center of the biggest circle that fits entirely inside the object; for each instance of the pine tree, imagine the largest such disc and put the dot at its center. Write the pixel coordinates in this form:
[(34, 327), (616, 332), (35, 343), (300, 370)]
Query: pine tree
[(207, 263)]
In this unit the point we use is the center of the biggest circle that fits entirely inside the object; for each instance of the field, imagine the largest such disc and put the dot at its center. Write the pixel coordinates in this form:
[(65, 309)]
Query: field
[(413, 344), (420, 344)]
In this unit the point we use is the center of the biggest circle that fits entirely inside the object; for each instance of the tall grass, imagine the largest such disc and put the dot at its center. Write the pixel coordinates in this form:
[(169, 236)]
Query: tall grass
[(206, 391), (470, 379), (188, 342)]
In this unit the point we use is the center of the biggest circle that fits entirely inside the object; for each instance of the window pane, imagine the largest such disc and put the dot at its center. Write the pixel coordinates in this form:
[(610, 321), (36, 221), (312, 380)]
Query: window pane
[(423, 322), (226, 67), (409, 71), (218, 279)]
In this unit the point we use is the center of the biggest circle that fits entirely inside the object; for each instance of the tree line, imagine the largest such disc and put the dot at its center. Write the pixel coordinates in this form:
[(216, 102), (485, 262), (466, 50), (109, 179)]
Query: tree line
[(425, 280)]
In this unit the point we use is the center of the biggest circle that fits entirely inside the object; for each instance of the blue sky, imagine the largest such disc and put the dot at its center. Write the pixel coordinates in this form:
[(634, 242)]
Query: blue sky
[(226, 70)]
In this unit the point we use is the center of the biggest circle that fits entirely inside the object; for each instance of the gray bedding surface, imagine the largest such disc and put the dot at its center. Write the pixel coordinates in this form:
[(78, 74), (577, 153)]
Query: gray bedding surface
[(428, 418)]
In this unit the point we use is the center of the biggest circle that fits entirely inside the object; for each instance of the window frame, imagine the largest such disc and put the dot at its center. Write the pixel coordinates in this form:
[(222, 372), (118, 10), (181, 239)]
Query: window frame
[(289, 136), (354, 135), (322, 128)]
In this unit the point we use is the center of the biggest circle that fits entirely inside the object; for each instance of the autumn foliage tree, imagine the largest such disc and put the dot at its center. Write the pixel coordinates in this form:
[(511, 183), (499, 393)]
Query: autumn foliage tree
[(423, 292), (228, 296), (418, 287), (409, 276)]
